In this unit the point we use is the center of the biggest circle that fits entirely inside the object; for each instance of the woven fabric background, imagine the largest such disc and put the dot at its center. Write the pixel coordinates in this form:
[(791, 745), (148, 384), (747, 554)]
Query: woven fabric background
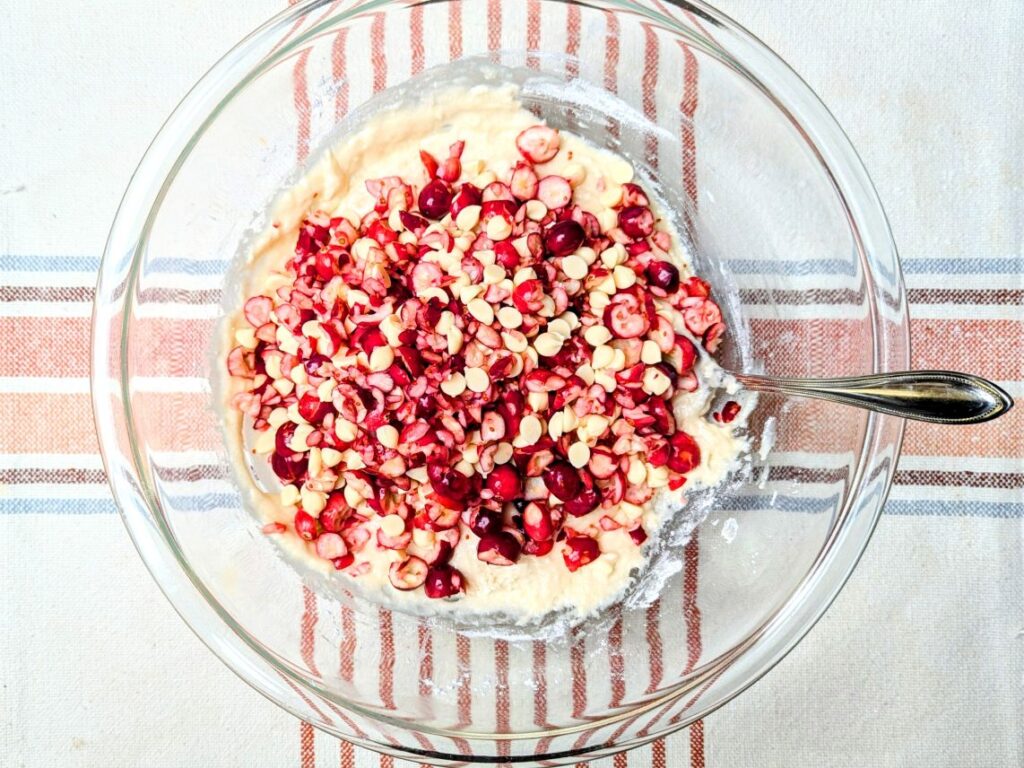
[(919, 662)]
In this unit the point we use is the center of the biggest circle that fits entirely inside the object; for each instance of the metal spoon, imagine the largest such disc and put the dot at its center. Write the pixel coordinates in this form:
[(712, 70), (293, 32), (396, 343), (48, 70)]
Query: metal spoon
[(939, 397)]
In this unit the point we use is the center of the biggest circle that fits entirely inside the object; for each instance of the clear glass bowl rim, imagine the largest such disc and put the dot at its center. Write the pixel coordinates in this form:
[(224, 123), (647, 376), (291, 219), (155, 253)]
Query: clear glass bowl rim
[(118, 275)]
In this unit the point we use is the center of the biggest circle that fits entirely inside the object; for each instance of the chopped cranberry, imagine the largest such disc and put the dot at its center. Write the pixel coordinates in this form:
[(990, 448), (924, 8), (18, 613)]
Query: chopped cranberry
[(579, 551), (499, 548), (504, 482), (485, 522), (562, 480), (305, 525), (442, 581)]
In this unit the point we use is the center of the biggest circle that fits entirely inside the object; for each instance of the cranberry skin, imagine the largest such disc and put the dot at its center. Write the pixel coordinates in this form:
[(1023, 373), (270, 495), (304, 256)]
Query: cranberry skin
[(305, 525), (583, 503), (504, 482), (564, 238), (501, 548), (442, 581), (486, 522), (435, 199), (562, 480), (663, 275)]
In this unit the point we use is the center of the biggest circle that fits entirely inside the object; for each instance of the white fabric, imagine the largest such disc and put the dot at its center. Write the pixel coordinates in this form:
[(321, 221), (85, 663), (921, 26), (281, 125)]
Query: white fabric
[(919, 662)]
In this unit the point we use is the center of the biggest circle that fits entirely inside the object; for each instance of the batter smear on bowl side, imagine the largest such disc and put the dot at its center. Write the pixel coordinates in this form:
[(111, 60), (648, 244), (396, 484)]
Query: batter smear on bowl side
[(472, 363)]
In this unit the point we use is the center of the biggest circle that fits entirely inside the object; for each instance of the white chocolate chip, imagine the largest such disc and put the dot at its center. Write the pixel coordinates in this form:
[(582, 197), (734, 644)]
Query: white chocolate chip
[(538, 401), (298, 441), (637, 471), (656, 382), (555, 425), (574, 267), (390, 328), (315, 462), (494, 274), (596, 335), (603, 357), (352, 497), (345, 430), (392, 525), (624, 277), (593, 426), (286, 342), (468, 218), (353, 460), (298, 375), (586, 372), (246, 337), (455, 385), (547, 344), (608, 220), (536, 210), (482, 311), (618, 361), (422, 537), (650, 353), (284, 386), (387, 436), (510, 317), (579, 454), (381, 358), (598, 300), (569, 419), (560, 328), (419, 474), (607, 285), (657, 477), (613, 256), (265, 442), (606, 380), (330, 457), (445, 323), (515, 341), (469, 292), (289, 495), (277, 417), (503, 454), (455, 340), (498, 228), (313, 502), (588, 254), (524, 274), (477, 380), (530, 430)]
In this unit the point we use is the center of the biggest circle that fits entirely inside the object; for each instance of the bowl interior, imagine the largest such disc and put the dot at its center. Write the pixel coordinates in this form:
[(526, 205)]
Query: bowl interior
[(778, 217)]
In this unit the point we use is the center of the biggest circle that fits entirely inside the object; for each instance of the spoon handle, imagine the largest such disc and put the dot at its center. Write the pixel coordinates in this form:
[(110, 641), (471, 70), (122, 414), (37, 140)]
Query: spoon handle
[(939, 397)]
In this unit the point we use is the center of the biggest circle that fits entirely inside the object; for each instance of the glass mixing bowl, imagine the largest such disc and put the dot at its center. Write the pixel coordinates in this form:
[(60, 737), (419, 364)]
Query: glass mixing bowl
[(780, 216)]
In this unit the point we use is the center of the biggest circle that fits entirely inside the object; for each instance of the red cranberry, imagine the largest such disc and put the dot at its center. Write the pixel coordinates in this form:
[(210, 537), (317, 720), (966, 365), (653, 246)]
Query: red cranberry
[(562, 480), (442, 581), (564, 238), (538, 548), (637, 222), (334, 514), (305, 525), (638, 535), (663, 275), (468, 195), (579, 551), (312, 408), (501, 548), (685, 453), (583, 503), (435, 199), (486, 522), (314, 362), (504, 482), (288, 469)]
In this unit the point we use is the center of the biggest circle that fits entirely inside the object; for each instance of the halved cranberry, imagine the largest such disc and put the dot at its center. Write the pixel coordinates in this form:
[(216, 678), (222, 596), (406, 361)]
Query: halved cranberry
[(257, 310), (485, 521), (313, 364), (504, 482), (579, 551), (585, 502), (305, 525), (435, 200), (528, 296), (538, 548), (555, 192), (408, 574), (442, 581), (467, 195), (312, 408), (333, 516), (538, 144), (700, 314), (633, 195), (537, 521), (499, 548), (663, 275), (562, 480), (288, 469), (729, 412), (343, 562), (685, 453), (564, 238), (625, 317), (524, 182), (636, 222), (330, 546)]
